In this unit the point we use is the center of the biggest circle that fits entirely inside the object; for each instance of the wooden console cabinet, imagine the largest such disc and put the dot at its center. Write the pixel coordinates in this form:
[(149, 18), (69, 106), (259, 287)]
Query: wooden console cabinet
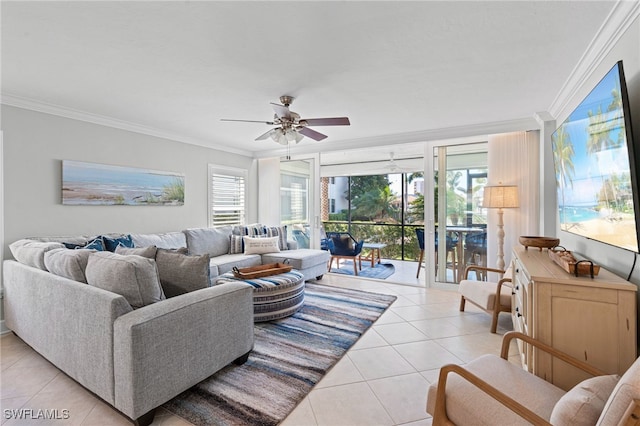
[(591, 319)]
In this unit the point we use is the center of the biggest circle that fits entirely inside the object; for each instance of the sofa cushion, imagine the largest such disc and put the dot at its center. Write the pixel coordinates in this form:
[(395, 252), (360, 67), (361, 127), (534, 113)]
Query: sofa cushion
[(260, 245), (110, 243), (169, 240), (280, 232), (134, 277), (68, 263), (211, 241), (300, 259), (225, 263), (583, 404), (180, 273), (32, 252), (148, 252)]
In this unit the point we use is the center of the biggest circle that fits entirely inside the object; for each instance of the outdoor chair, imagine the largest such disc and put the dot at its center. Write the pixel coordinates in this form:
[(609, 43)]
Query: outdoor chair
[(343, 245), (491, 390), (451, 249), (491, 297)]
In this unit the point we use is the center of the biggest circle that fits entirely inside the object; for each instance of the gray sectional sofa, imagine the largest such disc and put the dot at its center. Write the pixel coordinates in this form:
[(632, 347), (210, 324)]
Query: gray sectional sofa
[(138, 349)]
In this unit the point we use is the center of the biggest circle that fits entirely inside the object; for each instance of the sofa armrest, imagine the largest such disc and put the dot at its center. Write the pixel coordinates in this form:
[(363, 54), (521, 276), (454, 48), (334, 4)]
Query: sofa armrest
[(167, 347), (67, 322)]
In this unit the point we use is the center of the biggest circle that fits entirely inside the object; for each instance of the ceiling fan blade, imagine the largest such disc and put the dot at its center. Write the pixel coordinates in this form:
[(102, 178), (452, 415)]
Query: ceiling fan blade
[(333, 121), (310, 133), (271, 123), (281, 110), (265, 135)]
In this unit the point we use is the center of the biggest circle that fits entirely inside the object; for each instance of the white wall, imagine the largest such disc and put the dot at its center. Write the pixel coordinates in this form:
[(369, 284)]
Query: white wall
[(627, 49), (34, 145)]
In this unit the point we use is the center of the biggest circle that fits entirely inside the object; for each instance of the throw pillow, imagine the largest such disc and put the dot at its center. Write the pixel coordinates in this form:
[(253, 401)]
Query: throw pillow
[(236, 245), (134, 277), (584, 403), (181, 250), (148, 252), (260, 245), (211, 241), (68, 263), (253, 230), (95, 244), (31, 252), (111, 243), (281, 233), (181, 274)]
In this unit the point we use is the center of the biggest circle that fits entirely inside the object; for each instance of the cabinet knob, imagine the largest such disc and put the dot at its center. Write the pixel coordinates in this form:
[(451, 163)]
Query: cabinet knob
[(518, 287), (517, 270), (519, 314)]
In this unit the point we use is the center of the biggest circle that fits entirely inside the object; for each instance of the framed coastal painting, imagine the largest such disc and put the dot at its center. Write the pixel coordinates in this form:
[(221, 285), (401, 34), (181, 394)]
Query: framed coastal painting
[(101, 184)]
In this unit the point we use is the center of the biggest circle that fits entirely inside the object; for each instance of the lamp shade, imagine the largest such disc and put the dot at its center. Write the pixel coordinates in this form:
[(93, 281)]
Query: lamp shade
[(501, 196)]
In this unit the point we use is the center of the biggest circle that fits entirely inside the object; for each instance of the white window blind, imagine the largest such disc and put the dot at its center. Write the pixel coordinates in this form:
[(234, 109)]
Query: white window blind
[(227, 196)]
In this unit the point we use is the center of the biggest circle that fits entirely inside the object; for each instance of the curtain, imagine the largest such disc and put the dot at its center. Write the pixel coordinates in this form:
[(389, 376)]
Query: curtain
[(513, 159)]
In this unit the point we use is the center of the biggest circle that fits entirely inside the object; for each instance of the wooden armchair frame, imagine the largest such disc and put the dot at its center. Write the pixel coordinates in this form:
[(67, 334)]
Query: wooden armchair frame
[(497, 306), (440, 411)]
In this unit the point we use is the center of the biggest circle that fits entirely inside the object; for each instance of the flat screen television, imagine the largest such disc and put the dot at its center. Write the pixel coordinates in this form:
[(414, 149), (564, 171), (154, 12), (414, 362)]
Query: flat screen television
[(595, 166)]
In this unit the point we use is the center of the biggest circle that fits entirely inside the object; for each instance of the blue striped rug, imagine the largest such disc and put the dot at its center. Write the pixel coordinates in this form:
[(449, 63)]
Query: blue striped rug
[(379, 271), (289, 357)]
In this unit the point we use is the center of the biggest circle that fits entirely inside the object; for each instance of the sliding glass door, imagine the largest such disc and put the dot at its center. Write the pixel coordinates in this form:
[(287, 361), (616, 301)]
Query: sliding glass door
[(455, 230), (297, 201)]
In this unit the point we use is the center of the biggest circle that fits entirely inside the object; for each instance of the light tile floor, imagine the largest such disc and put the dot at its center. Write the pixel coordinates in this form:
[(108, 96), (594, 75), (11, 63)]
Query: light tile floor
[(382, 380)]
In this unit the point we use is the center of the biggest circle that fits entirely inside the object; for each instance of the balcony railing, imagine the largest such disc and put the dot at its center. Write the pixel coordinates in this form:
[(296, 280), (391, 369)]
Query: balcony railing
[(401, 240)]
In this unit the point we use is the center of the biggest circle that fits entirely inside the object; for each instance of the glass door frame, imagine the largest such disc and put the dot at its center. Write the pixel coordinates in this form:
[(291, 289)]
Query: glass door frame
[(313, 195), (429, 212)]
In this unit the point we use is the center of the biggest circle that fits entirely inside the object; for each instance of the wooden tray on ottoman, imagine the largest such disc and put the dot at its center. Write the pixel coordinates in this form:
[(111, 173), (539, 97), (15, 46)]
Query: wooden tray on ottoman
[(261, 270), (568, 262)]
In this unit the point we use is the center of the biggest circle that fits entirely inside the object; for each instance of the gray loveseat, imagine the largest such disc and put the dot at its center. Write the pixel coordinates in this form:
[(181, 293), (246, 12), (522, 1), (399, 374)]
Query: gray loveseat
[(136, 354)]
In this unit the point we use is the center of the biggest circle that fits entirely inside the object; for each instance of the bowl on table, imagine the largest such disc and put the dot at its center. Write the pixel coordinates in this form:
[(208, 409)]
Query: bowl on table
[(539, 242)]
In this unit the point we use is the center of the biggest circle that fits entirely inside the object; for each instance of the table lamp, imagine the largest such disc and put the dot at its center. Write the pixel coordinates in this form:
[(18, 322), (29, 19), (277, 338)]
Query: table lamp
[(500, 197)]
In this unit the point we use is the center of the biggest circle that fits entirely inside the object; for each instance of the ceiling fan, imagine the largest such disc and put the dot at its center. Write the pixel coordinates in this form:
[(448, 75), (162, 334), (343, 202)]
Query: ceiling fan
[(290, 127), (392, 166)]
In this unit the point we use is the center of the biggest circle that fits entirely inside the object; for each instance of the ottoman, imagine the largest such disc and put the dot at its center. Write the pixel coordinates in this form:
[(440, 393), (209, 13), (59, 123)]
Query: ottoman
[(275, 296)]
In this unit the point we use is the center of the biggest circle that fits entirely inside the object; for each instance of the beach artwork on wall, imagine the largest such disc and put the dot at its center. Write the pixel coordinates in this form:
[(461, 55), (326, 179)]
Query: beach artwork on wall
[(101, 184)]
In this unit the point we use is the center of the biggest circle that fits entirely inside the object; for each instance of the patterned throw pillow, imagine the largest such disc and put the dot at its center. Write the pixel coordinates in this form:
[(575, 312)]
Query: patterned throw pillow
[(281, 233), (253, 230), (236, 245), (111, 243)]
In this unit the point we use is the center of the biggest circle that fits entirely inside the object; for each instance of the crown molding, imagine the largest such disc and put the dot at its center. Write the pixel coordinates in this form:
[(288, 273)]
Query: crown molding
[(61, 111), (623, 14), (480, 130)]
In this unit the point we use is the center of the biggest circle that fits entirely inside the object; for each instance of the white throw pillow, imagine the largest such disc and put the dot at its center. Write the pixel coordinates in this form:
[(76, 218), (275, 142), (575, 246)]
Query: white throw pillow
[(258, 245), (134, 277), (584, 403)]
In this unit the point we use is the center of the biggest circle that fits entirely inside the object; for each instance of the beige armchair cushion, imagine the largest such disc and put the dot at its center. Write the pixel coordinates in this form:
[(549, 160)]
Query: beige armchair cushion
[(483, 293), (474, 407)]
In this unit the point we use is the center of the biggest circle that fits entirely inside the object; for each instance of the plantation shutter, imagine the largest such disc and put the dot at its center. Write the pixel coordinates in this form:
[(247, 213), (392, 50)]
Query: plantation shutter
[(227, 190)]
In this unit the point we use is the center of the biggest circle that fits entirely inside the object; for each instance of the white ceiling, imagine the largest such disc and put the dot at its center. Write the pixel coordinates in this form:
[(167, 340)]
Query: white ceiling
[(394, 68)]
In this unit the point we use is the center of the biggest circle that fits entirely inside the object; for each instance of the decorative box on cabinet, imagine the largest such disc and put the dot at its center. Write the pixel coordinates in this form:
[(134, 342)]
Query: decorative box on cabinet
[(591, 319)]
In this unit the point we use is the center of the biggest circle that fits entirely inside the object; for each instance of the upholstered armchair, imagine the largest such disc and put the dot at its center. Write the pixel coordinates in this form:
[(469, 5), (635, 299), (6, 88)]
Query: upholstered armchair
[(491, 390), (491, 297), (342, 245)]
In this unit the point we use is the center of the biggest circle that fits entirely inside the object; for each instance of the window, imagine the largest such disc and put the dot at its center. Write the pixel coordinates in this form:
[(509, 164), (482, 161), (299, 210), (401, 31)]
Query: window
[(227, 191)]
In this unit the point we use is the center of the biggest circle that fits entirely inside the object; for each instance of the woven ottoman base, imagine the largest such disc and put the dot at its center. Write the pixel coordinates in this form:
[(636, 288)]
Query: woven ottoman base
[(274, 297)]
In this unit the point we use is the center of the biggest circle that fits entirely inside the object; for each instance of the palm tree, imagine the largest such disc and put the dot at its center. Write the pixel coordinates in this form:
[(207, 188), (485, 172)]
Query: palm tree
[(563, 154)]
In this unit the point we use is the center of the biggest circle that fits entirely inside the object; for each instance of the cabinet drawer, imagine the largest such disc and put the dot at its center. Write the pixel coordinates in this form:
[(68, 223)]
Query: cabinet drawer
[(595, 294)]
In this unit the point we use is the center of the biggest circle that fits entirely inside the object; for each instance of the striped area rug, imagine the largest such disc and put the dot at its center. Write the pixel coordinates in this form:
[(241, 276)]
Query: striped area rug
[(289, 357)]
